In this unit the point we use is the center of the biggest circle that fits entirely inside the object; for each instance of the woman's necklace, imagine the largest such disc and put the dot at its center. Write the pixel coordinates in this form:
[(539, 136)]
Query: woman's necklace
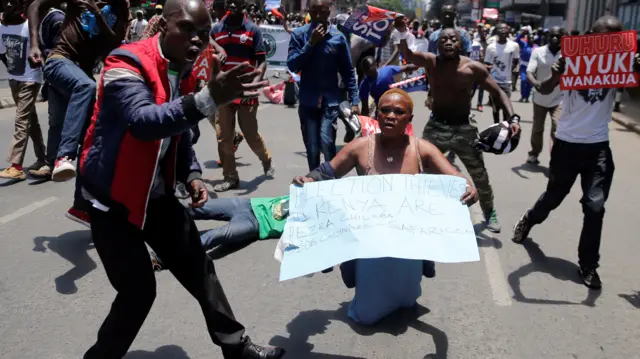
[(390, 159)]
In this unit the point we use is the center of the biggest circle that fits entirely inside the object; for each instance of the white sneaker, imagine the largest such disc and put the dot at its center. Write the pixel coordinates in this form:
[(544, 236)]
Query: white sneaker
[(64, 170)]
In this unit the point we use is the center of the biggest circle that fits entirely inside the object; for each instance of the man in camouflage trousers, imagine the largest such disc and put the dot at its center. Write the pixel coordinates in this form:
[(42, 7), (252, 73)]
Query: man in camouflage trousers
[(452, 79), (460, 140)]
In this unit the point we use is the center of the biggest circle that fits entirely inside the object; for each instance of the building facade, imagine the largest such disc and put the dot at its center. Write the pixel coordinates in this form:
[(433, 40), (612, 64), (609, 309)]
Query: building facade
[(629, 13)]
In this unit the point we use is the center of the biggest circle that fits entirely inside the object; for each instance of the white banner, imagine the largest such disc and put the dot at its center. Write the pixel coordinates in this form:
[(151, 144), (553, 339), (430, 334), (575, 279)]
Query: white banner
[(276, 45), (400, 216)]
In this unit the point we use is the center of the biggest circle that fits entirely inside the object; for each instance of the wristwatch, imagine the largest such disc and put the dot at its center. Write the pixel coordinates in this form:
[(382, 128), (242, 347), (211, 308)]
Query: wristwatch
[(515, 118)]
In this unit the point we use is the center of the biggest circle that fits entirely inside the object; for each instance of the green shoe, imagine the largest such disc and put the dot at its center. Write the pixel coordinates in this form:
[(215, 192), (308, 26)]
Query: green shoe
[(492, 222)]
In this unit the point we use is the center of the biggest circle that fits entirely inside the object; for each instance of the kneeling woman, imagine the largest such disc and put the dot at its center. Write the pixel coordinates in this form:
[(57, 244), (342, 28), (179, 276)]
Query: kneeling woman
[(384, 285)]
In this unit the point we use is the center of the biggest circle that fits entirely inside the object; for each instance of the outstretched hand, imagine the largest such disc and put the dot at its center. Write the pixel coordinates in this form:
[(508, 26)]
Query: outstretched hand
[(559, 66), (301, 180), (470, 196), (227, 86), (35, 57), (515, 129), (199, 193)]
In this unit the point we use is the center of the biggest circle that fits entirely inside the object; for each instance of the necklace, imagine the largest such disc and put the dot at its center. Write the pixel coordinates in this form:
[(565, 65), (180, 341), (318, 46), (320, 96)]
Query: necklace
[(389, 159)]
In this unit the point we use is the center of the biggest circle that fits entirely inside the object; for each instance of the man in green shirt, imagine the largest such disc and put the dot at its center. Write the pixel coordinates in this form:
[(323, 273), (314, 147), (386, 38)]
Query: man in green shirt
[(249, 219)]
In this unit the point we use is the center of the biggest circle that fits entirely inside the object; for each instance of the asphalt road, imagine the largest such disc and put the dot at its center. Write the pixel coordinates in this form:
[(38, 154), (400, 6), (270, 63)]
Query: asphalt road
[(517, 302)]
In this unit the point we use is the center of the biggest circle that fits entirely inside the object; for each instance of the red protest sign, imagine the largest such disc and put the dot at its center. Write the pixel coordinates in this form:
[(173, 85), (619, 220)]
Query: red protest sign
[(599, 61), (202, 65)]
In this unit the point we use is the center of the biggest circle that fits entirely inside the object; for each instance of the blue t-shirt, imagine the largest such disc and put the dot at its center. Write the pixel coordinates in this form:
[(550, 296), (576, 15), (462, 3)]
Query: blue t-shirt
[(376, 87)]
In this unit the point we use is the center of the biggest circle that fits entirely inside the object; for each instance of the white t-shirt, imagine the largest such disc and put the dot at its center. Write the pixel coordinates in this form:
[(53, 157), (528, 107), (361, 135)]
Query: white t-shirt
[(15, 44), (476, 48), (586, 115), (396, 36), (540, 65), (137, 28), (502, 56)]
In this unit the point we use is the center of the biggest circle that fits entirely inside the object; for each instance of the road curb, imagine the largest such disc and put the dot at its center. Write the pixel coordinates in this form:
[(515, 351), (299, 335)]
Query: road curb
[(7, 102), (633, 126)]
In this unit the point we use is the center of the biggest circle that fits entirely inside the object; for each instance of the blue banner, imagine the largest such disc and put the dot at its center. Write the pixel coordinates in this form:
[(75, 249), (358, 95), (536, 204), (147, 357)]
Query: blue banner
[(370, 23), (413, 86)]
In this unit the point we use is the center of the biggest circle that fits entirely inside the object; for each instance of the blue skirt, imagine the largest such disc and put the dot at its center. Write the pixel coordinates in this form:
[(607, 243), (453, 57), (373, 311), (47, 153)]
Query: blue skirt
[(384, 285)]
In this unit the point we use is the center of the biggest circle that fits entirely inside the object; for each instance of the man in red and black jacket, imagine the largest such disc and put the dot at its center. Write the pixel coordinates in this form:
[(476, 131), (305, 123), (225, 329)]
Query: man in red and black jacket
[(241, 39), (137, 147)]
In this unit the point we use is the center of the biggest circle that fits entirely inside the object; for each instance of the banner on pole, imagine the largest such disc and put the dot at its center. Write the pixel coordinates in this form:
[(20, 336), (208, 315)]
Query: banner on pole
[(599, 61), (276, 44), (490, 14), (271, 4), (401, 216), (370, 23), (416, 81)]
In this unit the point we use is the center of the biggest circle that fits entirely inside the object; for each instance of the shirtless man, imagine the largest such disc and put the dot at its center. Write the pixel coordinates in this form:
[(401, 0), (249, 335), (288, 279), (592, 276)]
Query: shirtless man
[(452, 78)]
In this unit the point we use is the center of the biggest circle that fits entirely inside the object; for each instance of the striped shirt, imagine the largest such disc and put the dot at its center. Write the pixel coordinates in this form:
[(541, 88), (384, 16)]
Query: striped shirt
[(242, 44)]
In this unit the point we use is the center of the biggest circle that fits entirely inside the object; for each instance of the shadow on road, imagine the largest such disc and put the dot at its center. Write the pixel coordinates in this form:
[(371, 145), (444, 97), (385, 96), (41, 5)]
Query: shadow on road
[(8, 182), (72, 246), (251, 186), (531, 168), (556, 267), (214, 164), (484, 240), (314, 322), (633, 299), (164, 352), (245, 187), (224, 250)]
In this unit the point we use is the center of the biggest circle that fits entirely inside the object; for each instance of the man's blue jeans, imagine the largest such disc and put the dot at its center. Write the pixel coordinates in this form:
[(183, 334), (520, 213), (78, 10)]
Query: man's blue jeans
[(79, 91), (242, 226), (57, 108), (319, 126)]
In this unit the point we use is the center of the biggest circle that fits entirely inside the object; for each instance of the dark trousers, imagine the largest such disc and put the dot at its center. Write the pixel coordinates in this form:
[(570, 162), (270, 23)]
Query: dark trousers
[(319, 126), (173, 235), (594, 163), (242, 227), (496, 104)]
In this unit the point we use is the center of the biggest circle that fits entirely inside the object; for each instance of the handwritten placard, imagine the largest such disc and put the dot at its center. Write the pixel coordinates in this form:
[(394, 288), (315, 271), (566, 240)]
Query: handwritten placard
[(599, 61), (400, 216)]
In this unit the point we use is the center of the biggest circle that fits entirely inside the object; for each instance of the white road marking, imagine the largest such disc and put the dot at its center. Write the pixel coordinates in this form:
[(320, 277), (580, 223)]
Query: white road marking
[(26, 210), (497, 280)]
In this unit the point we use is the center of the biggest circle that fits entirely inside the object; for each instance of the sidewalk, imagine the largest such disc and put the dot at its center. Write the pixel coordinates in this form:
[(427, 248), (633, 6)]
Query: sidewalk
[(629, 115)]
